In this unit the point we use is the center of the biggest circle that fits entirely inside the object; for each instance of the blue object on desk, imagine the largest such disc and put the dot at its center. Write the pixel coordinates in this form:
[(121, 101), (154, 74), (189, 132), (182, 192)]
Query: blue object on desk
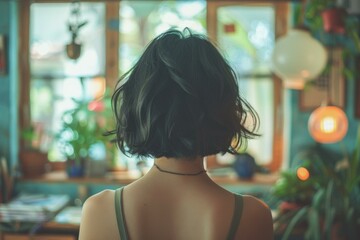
[(75, 171), (245, 165)]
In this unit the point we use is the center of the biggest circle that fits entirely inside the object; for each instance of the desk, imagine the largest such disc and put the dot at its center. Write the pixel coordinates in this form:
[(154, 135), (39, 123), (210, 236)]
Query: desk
[(48, 231), (64, 225)]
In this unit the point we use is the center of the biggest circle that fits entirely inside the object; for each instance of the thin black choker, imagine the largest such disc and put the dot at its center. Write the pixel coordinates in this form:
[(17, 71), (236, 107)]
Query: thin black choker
[(176, 173)]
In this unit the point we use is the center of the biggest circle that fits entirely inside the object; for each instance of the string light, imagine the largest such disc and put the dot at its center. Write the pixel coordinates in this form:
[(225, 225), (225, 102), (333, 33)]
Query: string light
[(302, 173)]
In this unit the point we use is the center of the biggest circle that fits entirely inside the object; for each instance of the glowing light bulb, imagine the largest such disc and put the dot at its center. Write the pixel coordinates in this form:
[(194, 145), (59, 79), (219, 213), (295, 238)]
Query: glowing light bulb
[(328, 124)]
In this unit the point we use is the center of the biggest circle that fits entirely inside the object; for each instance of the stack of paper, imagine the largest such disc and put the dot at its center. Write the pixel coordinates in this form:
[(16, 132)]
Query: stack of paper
[(69, 215), (32, 208)]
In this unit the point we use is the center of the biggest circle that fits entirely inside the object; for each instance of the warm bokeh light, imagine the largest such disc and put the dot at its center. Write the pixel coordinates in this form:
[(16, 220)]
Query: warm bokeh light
[(328, 124), (98, 87), (96, 106), (302, 173)]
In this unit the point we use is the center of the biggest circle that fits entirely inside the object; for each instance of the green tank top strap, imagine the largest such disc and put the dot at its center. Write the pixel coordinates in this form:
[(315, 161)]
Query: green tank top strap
[(236, 217), (120, 214)]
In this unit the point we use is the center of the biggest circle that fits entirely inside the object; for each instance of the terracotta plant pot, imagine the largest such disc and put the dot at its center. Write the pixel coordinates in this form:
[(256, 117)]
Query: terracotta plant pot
[(73, 50), (333, 20), (33, 163)]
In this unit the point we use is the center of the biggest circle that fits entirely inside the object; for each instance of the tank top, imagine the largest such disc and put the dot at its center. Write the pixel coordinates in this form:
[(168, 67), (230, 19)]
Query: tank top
[(122, 226)]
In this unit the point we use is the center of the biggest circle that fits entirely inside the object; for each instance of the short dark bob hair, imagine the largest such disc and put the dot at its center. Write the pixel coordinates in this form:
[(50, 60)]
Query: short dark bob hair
[(181, 99)]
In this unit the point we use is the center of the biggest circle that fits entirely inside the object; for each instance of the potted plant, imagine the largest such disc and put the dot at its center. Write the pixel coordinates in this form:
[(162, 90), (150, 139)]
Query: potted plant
[(79, 132), (324, 15), (84, 127), (33, 161), (330, 203), (328, 21), (73, 49)]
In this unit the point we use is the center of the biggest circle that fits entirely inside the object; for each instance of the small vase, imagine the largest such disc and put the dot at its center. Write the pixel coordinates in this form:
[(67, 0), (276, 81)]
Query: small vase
[(333, 20), (74, 169), (245, 166), (73, 50)]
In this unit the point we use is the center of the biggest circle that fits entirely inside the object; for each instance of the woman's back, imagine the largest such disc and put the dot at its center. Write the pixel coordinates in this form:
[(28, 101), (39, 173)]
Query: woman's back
[(165, 206)]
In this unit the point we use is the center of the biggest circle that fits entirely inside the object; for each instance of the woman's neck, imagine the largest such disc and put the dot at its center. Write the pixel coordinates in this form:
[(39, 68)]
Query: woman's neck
[(180, 166)]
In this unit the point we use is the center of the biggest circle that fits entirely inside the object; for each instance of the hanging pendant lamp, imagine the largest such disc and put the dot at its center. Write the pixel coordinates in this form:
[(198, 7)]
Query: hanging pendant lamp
[(328, 124), (297, 58)]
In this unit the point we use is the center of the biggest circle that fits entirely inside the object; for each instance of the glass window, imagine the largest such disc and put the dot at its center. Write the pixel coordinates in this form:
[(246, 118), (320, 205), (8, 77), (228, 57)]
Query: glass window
[(141, 21), (57, 80), (246, 34)]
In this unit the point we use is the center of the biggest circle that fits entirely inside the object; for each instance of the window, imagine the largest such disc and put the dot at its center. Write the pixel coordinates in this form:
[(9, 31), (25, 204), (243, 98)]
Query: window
[(56, 80), (247, 36), (50, 80), (246, 33)]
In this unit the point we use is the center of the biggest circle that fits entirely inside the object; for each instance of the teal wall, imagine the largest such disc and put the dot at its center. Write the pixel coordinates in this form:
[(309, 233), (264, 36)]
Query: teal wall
[(9, 84), (299, 136)]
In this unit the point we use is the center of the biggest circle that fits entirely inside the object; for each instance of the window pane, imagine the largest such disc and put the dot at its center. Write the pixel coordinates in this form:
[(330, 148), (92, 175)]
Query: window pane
[(141, 21), (57, 80), (49, 35), (259, 93), (247, 35)]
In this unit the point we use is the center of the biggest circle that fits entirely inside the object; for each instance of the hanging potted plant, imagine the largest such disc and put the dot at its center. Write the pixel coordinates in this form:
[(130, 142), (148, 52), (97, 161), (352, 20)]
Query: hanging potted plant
[(333, 20), (329, 22), (73, 49), (329, 17)]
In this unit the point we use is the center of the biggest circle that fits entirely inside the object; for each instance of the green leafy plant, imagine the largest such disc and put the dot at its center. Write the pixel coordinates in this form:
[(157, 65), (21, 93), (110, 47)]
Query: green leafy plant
[(314, 20), (310, 15), (330, 198), (79, 131), (83, 126)]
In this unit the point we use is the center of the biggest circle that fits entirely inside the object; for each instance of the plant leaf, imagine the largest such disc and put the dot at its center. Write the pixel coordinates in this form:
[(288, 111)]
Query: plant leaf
[(300, 215), (313, 231)]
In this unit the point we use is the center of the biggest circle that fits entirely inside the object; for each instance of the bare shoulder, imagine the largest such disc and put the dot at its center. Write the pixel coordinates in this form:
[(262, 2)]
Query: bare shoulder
[(256, 206), (97, 204), (256, 220), (96, 201), (98, 219)]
